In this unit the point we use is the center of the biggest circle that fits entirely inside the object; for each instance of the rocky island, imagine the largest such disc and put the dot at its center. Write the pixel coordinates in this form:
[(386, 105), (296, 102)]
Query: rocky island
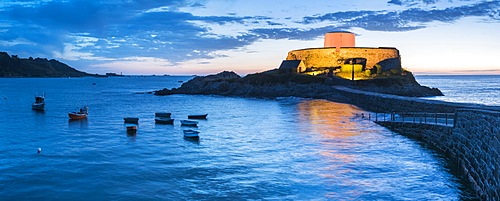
[(313, 72), (272, 84)]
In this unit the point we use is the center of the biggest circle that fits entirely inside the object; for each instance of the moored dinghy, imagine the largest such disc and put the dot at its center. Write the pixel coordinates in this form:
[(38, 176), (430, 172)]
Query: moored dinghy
[(189, 123), (197, 116), (164, 120), (133, 120), (131, 129), (191, 133), (163, 114), (39, 103), (80, 113)]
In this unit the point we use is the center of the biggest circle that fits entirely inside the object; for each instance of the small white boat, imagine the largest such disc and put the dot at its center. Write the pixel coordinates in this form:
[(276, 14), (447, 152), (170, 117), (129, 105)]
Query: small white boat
[(191, 133), (132, 120), (39, 103), (189, 123)]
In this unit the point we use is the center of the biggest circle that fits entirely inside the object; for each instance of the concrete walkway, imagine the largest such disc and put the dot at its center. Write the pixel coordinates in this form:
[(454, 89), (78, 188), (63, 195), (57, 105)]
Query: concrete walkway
[(418, 100)]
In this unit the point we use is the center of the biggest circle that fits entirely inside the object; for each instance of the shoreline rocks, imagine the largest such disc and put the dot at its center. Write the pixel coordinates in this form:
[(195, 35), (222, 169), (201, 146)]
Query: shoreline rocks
[(272, 85)]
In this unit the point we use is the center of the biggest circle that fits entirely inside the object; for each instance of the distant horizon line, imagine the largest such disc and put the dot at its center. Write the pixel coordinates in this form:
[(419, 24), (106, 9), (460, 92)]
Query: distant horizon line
[(459, 72), (414, 73), (418, 72)]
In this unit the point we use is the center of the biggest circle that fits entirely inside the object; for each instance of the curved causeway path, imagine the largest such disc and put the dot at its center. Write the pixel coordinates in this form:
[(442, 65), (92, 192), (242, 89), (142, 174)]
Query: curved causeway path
[(472, 143)]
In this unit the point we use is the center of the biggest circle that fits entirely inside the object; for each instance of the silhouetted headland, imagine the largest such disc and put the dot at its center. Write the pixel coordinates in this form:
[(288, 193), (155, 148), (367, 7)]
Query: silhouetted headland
[(13, 66)]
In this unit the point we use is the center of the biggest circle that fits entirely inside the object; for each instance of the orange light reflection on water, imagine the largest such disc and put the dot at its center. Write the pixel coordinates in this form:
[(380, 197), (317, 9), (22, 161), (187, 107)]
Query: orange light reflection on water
[(330, 119), (334, 125)]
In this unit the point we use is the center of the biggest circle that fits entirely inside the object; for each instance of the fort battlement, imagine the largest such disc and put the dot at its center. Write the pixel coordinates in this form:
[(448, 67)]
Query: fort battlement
[(330, 57), (340, 54)]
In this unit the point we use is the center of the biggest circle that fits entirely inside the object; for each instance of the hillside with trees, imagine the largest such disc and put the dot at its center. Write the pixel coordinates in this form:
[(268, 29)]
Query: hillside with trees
[(13, 66)]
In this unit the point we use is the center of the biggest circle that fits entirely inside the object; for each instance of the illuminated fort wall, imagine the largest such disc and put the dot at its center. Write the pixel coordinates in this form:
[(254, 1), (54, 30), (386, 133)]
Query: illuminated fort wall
[(330, 57)]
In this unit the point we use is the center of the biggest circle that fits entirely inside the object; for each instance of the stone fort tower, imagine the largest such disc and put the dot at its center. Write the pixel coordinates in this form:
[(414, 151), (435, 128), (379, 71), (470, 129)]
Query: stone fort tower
[(339, 49), (340, 39)]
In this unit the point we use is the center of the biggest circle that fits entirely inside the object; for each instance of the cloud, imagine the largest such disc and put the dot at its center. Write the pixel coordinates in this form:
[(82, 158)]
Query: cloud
[(117, 29), (412, 2), (292, 33), (120, 29), (135, 64), (396, 2), (409, 19)]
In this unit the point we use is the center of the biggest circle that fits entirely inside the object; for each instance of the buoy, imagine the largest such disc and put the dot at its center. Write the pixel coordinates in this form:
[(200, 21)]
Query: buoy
[(39, 150)]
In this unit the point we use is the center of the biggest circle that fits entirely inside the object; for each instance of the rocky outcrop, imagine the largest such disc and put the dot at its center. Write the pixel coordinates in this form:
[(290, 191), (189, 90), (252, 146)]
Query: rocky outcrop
[(12, 66), (401, 85), (255, 85), (272, 85)]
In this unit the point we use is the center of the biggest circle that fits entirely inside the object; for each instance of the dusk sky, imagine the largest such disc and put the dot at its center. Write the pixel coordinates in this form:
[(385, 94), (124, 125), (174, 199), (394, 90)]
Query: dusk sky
[(185, 37)]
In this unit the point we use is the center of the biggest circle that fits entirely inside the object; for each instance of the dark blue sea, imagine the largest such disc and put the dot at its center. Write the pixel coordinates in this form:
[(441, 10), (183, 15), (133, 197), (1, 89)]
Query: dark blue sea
[(249, 149)]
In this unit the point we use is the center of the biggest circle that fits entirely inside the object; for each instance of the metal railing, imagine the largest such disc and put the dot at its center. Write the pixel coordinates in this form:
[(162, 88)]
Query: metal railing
[(414, 117)]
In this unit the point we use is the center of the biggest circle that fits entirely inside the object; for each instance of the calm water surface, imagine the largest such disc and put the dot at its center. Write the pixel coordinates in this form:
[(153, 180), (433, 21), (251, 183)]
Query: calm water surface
[(249, 149), (479, 89)]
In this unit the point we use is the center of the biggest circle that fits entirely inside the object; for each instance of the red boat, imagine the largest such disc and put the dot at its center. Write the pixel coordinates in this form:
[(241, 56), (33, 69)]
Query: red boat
[(79, 114), (197, 116), (131, 129)]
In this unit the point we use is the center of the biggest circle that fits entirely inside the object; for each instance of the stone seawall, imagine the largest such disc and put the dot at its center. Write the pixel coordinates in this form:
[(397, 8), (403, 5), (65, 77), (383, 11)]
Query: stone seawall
[(377, 102), (473, 143)]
